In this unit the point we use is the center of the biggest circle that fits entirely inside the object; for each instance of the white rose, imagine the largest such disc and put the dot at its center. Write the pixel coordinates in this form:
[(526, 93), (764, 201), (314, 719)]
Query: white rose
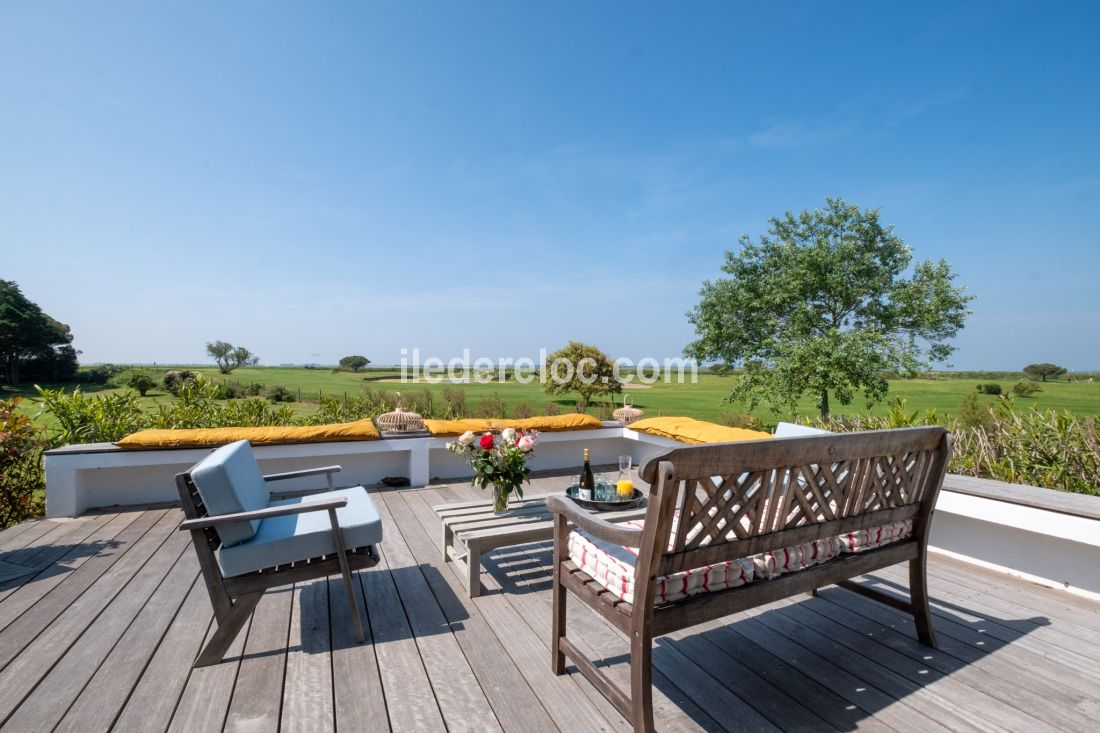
[(508, 435), (526, 443), (466, 438)]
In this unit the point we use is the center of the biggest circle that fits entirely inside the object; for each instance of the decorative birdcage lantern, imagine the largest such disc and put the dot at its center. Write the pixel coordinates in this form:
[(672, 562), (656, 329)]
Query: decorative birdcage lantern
[(628, 413), (400, 420)]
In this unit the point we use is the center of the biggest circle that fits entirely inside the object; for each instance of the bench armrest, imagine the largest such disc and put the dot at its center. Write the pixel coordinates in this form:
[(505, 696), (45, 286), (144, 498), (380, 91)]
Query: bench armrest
[(271, 511), (620, 535), (304, 472)]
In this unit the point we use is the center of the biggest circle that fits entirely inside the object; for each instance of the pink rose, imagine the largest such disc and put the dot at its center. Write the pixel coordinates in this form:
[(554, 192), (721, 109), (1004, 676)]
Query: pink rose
[(526, 443)]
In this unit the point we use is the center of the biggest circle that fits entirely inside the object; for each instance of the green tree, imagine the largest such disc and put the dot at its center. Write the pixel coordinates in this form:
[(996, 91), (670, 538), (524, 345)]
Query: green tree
[(1043, 371), (140, 381), (823, 304), (228, 357), (355, 363), (31, 341), (582, 369)]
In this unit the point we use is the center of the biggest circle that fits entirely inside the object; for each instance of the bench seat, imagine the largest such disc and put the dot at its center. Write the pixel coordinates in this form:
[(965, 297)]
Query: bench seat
[(612, 566)]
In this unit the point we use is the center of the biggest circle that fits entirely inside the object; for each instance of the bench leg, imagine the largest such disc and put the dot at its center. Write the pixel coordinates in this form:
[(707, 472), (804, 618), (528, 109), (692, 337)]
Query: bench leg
[(228, 627), (641, 681), (918, 595), (557, 661)]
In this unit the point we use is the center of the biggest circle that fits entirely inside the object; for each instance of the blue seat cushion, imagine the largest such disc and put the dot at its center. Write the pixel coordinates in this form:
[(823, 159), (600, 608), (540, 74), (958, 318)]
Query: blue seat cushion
[(229, 480), (297, 537)]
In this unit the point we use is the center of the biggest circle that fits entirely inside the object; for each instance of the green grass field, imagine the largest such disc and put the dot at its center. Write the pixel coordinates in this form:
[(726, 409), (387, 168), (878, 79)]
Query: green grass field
[(703, 400)]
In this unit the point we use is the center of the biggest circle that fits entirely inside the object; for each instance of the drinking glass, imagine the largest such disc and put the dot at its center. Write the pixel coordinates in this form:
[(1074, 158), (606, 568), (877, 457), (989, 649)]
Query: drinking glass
[(625, 462)]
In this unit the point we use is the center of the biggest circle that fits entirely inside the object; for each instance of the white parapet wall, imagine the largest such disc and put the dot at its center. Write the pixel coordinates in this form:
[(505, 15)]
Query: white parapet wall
[(1044, 536)]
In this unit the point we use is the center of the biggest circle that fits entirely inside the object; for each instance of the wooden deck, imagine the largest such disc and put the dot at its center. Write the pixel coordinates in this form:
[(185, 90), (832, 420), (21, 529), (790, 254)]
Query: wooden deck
[(100, 618)]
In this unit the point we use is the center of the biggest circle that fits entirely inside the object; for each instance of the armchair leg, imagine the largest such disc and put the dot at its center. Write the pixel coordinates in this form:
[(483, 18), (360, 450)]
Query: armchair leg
[(345, 570), (228, 627)]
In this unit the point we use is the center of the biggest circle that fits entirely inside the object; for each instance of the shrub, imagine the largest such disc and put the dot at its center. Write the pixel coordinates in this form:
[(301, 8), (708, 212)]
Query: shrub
[(991, 388), (739, 420), (101, 374), (279, 393), (22, 480), (98, 419), (174, 380), (1042, 448), (455, 398), (491, 406), (552, 408), (1025, 388), (522, 410), (140, 381)]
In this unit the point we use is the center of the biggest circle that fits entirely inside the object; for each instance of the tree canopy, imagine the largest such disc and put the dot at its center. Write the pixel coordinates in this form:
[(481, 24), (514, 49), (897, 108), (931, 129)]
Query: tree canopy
[(1044, 371), (228, 357), (31, 342), (583, 369), (354, 362), (825, 303)]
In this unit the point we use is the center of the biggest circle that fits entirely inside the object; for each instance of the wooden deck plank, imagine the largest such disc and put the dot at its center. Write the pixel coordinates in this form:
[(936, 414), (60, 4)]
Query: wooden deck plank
[(1012, 692), (980, 704), (19, 540), (107, 660), (852, 690), (404, 679), (1064, 694), (358, 695), (258, 691), (62, 629), (154, 699), (516, 706), (897, 686), (39, 553), (7, 534), (30, 590), (308, 698), (463, 705), (204, 703), (528, 651)]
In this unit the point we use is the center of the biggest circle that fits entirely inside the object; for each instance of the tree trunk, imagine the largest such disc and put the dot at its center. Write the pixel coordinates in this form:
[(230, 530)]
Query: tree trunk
[(824, 404)]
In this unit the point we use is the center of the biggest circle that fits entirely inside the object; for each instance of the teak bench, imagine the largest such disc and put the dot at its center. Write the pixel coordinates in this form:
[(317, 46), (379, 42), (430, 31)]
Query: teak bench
[(779, 517)]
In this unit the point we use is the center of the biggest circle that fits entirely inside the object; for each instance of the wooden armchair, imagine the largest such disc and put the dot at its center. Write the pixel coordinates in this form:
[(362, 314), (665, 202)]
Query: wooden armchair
[(246, 543), (737, 525)]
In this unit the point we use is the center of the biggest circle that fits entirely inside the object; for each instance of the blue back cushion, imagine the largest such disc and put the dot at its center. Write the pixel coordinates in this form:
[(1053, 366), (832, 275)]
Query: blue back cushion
[(229, 481)]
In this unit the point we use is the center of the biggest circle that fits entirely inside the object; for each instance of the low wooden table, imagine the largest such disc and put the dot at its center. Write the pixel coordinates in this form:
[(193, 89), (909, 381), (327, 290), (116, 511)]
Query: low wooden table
[(470, 529)]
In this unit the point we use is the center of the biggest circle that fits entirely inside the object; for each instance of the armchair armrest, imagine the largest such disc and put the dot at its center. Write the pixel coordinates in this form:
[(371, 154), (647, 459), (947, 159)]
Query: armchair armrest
[(271, 511), (304, 472), (626, 536), (327, 470)]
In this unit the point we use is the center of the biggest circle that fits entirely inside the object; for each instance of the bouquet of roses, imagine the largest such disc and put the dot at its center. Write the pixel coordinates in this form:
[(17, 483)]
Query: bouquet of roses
[(499, 461)]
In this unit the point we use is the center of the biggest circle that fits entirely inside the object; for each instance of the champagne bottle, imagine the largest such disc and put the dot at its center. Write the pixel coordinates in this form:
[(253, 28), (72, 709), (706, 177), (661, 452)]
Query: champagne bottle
[(586, 487)]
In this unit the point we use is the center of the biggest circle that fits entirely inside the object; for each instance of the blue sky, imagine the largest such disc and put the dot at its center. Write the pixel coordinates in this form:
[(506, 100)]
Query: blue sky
[(316, 179)]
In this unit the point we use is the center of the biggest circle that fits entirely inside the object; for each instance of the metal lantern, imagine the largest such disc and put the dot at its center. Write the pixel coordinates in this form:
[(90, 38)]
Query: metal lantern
[(400, 420), (628, 413)]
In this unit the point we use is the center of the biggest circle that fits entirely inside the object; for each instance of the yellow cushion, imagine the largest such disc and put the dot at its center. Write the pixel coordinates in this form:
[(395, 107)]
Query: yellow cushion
[(545, 424), (694, 432), (272, 435)]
